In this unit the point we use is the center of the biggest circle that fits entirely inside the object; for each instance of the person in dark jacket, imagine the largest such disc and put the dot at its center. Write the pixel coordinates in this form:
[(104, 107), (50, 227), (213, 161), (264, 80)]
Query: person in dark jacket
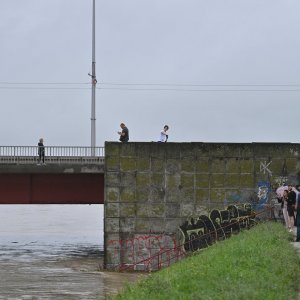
[(297, 223), (291, 201), (41, 151), (124, 134)]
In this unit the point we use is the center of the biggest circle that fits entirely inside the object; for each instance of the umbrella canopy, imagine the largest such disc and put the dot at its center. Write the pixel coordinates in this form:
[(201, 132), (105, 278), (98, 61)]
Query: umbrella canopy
[(280, 190), (283, 188)]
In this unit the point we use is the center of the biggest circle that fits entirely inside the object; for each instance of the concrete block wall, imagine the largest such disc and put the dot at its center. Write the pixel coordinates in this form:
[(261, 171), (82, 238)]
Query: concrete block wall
[(152, 188)]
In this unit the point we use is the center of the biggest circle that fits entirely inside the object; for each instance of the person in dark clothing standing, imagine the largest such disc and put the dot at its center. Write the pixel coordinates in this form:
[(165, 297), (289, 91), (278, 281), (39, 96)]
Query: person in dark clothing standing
[(124, 134), (291, 201), (297, 222), (41, 151)]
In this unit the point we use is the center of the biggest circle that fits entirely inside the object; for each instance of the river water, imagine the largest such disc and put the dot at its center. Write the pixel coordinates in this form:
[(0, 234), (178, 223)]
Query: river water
[(54, 252)]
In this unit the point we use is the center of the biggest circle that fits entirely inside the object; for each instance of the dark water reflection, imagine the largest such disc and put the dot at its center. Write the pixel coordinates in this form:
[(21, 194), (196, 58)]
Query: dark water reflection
[(35, 251), (45, 256)]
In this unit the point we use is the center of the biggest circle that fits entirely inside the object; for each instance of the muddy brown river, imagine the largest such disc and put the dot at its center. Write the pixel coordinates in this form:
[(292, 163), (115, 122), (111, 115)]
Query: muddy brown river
[(33, 274), (55, 252)]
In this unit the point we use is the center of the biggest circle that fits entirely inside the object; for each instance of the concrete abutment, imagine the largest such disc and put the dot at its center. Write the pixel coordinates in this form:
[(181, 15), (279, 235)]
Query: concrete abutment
[(153, 188)]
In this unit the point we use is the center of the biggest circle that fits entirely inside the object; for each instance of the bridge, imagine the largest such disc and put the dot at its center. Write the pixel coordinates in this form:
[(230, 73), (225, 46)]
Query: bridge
[(70, 175), (151, 189)]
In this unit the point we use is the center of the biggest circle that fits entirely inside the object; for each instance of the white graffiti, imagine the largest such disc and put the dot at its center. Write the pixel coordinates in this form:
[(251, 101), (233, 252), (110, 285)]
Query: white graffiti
[(262, 192), (264, 167), (280, 180), (294, 152)]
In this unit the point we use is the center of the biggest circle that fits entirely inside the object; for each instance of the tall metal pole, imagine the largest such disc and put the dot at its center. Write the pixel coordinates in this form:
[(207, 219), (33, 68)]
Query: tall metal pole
[(94, 82)]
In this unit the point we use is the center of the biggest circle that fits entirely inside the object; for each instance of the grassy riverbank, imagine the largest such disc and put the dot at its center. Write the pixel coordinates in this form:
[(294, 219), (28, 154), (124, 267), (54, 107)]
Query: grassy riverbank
[(257, 264)]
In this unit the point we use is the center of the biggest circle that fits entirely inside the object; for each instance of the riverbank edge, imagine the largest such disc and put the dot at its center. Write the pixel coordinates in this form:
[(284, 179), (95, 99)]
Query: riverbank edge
[(261, 263)]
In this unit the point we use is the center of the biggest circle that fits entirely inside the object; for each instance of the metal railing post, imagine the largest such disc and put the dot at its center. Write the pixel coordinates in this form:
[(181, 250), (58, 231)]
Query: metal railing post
[(53, 154)]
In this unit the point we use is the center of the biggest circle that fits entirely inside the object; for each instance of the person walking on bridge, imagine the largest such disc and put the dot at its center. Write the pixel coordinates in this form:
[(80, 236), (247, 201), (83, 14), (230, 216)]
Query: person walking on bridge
[(41, 151), (124, 134)]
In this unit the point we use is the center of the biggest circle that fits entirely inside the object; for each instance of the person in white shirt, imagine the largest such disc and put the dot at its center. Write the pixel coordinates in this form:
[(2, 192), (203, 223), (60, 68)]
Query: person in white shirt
[(163, 138)]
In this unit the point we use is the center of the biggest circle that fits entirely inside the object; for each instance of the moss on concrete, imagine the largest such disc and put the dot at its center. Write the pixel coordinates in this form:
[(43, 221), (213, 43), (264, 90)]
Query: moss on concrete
[(232, 180), (127, 225), (217, 180), (157, 194), (202, 166), (157, 165), (112, 148), (232, 150), (217, 195), (246, 150), (291, 164), (218, 166), (128, 194), (188, 165), (112, 195), (173, 181), (187, 210), (172, 210), (142, 210), (156, 210), (128, 150), (277, 166), (142, 194), (112, 210), (143, 180), (202, 180), (142, 164), (217, 150), (246, 166), (187, 181), (127, 210), (247, 181), (202, 194), (112, 163), (142, 225), (128, 179), (157, 180), (233, 165), (112, 224), (173, 166), (127, 164)]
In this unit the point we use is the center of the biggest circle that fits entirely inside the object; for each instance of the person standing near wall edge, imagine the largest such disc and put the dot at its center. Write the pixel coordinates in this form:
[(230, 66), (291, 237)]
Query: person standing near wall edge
[(298, 216), (163, 138), (124, 134), (41, 151), (291, 201)]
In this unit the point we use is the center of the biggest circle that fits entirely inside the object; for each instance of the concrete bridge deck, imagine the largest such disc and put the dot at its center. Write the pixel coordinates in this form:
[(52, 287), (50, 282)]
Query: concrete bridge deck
[(70, 175), (21, 155)]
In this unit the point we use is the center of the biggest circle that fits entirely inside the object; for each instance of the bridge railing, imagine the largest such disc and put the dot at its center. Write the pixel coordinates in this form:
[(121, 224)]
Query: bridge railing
[(53, 154)]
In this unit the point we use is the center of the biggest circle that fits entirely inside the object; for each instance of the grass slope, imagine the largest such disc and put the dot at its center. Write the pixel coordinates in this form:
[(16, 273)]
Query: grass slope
[(256, 264)]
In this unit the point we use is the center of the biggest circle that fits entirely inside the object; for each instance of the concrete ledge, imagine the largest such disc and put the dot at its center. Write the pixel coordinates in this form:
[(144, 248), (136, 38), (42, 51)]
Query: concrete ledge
[(51, 169)]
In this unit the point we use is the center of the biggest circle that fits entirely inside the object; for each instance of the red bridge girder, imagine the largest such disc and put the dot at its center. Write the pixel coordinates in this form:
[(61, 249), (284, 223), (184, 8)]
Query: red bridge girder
[(51, 188)]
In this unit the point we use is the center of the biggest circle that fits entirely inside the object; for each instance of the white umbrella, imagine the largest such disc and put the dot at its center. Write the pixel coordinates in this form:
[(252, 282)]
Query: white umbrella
[(283, 188), (280, 190)]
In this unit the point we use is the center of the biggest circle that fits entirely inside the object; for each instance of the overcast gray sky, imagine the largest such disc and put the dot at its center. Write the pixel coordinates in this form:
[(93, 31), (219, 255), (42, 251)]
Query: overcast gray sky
[(176, 52)]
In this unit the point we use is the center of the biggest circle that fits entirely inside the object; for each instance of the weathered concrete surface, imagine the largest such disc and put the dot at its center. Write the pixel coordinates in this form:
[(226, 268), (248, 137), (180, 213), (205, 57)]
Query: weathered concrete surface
[(51, 168), (152, 188)]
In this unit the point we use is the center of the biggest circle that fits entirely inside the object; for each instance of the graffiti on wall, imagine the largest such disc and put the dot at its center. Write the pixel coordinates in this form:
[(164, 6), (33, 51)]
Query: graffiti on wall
[(264, 167), (146, 252), (220, 224), (259, 197), (280, 180), (263, 190)]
